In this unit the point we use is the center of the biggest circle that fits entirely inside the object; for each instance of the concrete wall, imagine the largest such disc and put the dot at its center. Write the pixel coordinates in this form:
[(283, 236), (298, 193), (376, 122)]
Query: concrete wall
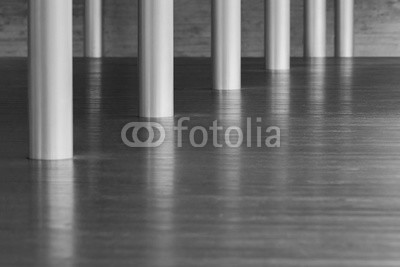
[(377, 27)]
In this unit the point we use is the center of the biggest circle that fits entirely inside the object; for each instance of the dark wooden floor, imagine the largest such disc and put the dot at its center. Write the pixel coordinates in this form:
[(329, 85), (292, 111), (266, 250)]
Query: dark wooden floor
[(330, 196)]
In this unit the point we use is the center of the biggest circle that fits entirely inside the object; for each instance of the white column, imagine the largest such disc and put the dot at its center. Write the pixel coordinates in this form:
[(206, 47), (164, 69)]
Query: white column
[(344, 28), (156, 58), (315, 28), (277, 34), (93, 28), (226, 48), (50, 79)]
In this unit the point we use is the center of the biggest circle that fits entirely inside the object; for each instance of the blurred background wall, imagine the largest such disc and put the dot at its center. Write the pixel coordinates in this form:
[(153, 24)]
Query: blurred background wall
[(377, 27)]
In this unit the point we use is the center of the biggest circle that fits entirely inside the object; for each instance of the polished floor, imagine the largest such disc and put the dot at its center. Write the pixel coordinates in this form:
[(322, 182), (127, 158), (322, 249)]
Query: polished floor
[(329, 196)]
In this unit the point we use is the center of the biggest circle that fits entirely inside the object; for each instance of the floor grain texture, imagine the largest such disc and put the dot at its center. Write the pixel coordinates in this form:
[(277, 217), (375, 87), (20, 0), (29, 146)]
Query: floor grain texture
[(329, 196)]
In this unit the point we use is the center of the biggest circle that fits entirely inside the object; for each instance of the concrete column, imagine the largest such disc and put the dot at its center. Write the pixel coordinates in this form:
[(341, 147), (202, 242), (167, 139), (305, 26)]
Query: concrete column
[(50, 79), (344, 28), (156, 58), (277, 34), (226, 47), (93, 28), (315, 28)]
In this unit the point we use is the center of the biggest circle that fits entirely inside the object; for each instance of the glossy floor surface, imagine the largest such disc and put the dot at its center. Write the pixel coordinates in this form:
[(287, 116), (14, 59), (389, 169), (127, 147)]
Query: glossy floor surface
[(329, 196)]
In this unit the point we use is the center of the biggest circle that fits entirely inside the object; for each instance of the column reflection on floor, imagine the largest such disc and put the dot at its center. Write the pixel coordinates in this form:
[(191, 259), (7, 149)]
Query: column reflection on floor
[(160, 177), (346, 77), (346, 129), (316, 86), (57, 212), (229, 113), (278, 113), (317, 94)]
